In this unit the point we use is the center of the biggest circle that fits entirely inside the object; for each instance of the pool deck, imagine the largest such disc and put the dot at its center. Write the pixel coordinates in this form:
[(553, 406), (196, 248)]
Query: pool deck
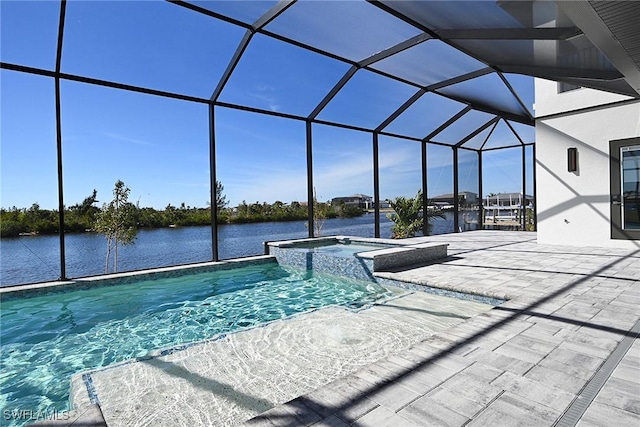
[(563, 350)]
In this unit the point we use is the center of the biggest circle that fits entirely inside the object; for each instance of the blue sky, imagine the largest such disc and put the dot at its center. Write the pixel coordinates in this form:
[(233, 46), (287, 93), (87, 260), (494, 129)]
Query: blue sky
[(159, 146)]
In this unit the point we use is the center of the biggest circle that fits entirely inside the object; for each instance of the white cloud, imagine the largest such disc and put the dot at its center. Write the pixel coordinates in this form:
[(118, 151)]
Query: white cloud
[(266, 94)]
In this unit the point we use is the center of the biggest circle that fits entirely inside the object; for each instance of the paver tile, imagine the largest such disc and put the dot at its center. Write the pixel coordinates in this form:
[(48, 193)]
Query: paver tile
[(571, 370), (533, 343), (621, 394), (605, 415), (590, 350), (455, 401), (526, 354), (510, 410), (472, 388), (499, 361), (570, 357), (427, 412), (483, 371), (394, 397), (626, 372), (535, 391), (419, 382), (383, 417), (555, 378)]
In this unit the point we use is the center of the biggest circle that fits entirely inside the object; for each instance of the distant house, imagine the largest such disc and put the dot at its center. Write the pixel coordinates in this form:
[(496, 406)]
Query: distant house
[(445, 201), (512, 200), (357, 200)]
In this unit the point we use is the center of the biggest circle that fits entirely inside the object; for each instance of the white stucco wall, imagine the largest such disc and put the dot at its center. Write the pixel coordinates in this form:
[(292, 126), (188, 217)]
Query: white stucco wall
[(574, 207)]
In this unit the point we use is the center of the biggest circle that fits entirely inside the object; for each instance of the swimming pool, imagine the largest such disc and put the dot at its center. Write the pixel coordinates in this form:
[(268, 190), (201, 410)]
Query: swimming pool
[(47, 338)]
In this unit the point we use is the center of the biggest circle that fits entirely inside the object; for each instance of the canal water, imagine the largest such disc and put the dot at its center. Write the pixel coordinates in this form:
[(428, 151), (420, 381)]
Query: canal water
[(32, 259)]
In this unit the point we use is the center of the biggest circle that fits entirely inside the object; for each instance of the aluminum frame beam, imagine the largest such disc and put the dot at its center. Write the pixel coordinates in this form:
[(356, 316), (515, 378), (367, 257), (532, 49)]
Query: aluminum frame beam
[(494, 120), (448, 123), (558, 33), (59, 158)]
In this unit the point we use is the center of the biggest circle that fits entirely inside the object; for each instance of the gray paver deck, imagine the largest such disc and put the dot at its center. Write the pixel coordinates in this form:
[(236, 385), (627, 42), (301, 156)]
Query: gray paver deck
[(522, 363)]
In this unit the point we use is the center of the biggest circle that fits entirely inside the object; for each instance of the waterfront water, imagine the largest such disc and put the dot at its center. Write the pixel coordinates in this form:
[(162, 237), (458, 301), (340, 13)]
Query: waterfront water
[(32, 259)]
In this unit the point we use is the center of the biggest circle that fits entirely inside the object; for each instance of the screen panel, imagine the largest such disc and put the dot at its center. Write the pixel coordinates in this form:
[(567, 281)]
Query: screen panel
[(29, 221), (159, 148)]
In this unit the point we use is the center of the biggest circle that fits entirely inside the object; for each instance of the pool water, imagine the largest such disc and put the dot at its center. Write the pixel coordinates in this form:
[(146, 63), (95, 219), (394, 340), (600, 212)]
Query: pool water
[(45, 339)]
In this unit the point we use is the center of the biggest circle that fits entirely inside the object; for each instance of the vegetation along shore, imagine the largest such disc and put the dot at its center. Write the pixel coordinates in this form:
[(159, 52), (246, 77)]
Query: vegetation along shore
[(81, 217)]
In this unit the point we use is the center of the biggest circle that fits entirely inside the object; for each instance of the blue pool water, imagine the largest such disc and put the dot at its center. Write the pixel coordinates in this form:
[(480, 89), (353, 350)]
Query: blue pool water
[(45, 339), (342, 250)]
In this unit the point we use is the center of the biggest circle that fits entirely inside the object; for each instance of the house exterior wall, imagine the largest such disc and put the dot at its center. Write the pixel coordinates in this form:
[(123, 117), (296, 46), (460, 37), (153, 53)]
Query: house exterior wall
[(574, 207)]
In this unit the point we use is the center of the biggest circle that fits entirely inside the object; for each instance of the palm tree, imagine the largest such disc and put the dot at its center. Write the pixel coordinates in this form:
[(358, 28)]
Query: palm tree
[(408, 217)]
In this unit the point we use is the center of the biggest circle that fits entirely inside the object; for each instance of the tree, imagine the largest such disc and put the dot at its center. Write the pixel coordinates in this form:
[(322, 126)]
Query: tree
[(116, 220), (320, 211), (407, 216), (81, 216), (221, 199)]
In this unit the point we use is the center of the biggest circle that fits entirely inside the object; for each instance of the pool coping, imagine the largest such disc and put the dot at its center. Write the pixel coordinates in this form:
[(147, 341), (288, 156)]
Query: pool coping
[(113, 279)]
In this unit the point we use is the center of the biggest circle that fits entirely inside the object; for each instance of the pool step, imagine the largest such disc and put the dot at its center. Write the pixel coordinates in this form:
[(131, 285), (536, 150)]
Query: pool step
[(393, 258)]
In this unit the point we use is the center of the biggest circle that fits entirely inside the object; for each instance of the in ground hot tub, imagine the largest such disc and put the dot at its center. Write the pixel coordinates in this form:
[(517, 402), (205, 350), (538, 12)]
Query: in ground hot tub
[(353, 256)]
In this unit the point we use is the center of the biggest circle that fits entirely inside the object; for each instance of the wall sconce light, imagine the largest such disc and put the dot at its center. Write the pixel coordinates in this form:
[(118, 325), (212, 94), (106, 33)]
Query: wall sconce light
[(572, 159)]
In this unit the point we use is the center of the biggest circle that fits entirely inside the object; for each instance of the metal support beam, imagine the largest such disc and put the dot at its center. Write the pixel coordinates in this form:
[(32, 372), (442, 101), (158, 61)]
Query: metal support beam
[(557, 73), (514, 131), (233, 63), (456, 201), (213, 183), (400, 110), (98, 82), (480, 194), (505, 147), (413, 41), (515, 94), (477, 131), (558, 33), (208, 12), (310, 195), (459, 79), (523, 208), (376, 185), (535, 189), (447, 123), (333, 92), (63, 270), (525, 119), (272, 14), (614, 41), (488, 136), (425, 198)]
